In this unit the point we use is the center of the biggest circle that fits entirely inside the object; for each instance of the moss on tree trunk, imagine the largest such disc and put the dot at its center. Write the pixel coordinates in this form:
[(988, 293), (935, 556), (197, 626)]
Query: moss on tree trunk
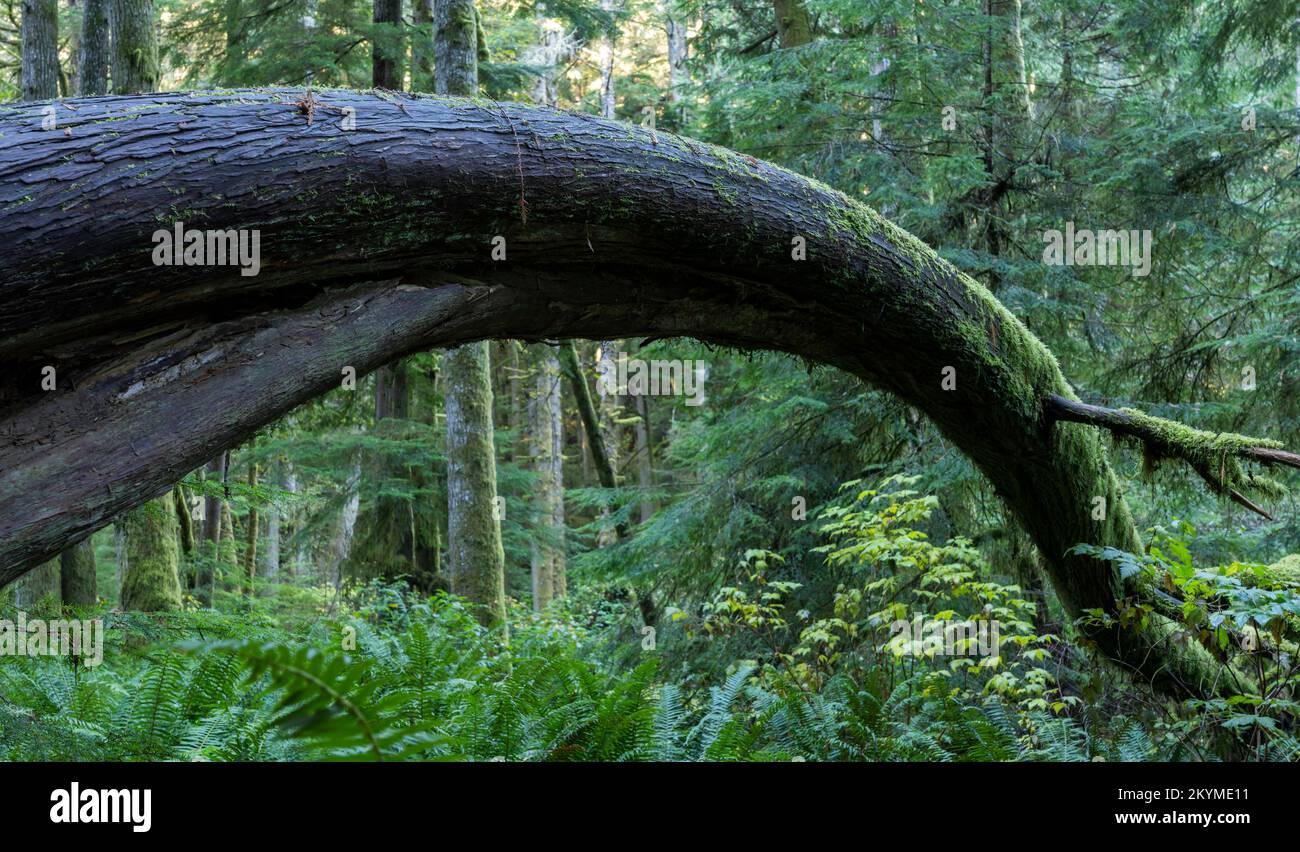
[(77, 575), (150, 582)]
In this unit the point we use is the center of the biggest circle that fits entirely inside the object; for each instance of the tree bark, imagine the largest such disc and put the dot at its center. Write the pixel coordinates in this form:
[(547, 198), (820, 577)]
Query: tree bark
[(587, 412), (385, 52), (793, 24), (271, 562), (678, 75), (135, 46), (607, 95), (77, 575), (546, 450), (422, 59), (39, 593), (150, 581), (475, 557), (250, 537), (643, 452), (40, 49), (167, 365), (455, 48)]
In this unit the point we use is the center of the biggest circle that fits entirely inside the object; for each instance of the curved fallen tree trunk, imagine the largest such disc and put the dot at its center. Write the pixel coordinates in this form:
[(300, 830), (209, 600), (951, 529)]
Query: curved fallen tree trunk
[(378, 219)]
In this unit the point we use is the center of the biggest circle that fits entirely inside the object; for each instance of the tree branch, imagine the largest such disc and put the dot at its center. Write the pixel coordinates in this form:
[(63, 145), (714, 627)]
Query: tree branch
[(1213, 455)]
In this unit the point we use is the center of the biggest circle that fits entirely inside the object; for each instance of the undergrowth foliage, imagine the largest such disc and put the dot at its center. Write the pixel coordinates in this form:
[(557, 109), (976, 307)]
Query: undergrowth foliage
[(405, 677)]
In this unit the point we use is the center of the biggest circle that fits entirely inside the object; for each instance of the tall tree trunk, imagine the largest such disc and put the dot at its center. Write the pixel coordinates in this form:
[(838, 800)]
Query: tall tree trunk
[(422, 77), (385, 543), (475, 558), (40, 50), (546, 449), (297, 561), (546, 56), (1008, 109), (309, 34), (341, 544), (592, 428), (607, 65), (678, 75), (150, 578), (645, 476), (271, 561), (250, 536), (40, 593), (77, 575), (135, 47), (793, 24), (385, 51), (229, 545), (210, 550)]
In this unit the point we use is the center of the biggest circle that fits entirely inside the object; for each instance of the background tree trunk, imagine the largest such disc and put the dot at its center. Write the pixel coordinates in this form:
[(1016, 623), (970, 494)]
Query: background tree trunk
[(77, 575), (793, 24), (135, 46), (40, 593), (40, 50), (475, 558), (95, 48), (546, 450), (150, 579), (250, 537), (385, 53)]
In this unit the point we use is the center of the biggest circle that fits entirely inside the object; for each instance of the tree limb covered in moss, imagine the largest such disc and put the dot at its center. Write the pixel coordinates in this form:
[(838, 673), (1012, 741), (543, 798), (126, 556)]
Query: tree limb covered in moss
[(1214, 456)]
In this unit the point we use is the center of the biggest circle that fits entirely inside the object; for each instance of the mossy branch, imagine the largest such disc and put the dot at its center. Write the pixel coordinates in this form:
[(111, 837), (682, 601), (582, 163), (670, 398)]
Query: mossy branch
[(1215, 456)]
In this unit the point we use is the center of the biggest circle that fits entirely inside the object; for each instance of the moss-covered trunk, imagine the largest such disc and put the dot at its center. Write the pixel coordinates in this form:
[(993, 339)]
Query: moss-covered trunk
[(793, 23), (77, 575), (151, 546), (475, 559), (135, 46), (39, 593), (250, 537)]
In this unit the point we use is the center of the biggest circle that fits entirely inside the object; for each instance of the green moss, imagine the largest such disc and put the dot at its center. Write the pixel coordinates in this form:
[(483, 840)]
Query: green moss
[(1285, 570), (1214, 455)]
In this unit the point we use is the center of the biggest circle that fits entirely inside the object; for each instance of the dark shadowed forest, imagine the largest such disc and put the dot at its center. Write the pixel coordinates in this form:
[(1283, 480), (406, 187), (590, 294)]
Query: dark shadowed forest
[(649, 380)]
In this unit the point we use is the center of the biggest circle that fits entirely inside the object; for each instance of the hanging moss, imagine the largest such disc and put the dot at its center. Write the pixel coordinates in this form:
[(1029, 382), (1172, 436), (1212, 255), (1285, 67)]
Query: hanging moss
[(1216, 456)]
